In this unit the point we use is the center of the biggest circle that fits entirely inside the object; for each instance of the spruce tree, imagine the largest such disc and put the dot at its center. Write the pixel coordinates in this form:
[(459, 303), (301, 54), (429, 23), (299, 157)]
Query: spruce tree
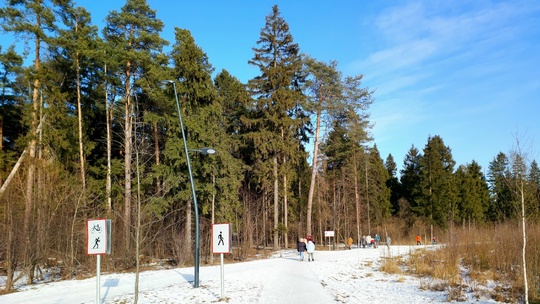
[(501, 206), (393, 183), (10, 107), (473, 196), (276, 92), (379, 193), (534, 181), (196, 94), (438, 190), (410, 181)]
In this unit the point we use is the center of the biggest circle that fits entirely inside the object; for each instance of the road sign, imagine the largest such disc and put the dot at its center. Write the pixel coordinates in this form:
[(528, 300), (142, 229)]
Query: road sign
[(98, 236), (221, 238), (329, 233)]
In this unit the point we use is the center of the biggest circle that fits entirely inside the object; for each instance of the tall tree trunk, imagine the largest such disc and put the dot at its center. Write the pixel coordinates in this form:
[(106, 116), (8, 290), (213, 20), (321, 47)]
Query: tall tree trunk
[(313, 169), (109, 117), (29, 195), (264, 216), (189, 234), (285, 211), (127, 161), (276, 204), (79, 116), (213, 215), (11, 248), (1, 137), (138, 240), (158, 161), (357, 201), (524, 235), (319, 209), (367, 199)]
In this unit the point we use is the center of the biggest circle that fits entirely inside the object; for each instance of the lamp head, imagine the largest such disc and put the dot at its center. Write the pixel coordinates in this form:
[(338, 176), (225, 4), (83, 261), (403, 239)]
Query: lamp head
[(208, 151)]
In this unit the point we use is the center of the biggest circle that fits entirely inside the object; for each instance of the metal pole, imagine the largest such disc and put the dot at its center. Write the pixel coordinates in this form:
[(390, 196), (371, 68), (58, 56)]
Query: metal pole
[(334, 239), (222, 277), (195, 205), (98, 268)]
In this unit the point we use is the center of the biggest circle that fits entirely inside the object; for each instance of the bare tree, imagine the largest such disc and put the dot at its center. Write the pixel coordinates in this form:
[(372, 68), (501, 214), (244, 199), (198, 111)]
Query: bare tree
[(519, 159)]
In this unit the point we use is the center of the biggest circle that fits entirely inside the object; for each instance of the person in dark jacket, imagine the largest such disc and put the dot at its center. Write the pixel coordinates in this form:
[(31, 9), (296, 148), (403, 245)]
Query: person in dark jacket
[(301, 246)]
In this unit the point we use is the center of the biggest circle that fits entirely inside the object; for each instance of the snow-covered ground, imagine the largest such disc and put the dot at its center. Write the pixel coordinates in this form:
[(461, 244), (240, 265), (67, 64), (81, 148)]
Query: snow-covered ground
[(343, 276)]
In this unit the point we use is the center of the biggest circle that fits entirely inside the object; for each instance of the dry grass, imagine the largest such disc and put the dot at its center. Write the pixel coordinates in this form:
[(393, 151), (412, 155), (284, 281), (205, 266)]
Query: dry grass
[(489, 256), (392, 265)]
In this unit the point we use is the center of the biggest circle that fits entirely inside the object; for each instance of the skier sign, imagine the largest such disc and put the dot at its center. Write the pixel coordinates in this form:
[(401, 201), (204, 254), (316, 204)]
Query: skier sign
[(99, 236), (221, 238)]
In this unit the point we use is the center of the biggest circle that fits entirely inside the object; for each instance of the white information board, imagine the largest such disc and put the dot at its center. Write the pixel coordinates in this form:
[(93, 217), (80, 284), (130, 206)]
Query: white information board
[(221, 238), (98, 242), (329, 233)]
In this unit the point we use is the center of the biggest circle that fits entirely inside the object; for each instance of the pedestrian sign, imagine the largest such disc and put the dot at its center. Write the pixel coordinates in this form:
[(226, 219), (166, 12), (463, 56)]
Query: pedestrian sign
[(221, 238), (98, 232)]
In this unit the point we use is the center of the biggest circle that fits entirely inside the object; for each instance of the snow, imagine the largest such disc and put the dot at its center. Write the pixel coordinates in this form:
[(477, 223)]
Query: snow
[(342, 276)]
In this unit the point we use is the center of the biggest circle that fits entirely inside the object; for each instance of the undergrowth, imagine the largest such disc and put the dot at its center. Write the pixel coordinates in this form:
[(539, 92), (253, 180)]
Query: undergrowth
[(485, 261)]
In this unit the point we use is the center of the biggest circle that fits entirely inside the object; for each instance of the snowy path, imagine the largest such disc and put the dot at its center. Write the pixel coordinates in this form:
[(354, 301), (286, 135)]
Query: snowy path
[(345, 276), (288, 280)]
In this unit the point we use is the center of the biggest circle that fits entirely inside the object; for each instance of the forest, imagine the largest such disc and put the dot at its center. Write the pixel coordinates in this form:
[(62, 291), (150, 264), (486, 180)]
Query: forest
[(104, 123)]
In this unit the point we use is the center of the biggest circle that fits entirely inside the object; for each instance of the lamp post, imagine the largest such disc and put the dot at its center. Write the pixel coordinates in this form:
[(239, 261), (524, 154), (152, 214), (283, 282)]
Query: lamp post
[(195, 205)]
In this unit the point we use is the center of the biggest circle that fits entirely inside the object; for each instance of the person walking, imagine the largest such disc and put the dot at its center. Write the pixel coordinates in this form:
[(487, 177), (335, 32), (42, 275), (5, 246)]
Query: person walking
[(349, 242), (310, 248), (418, 240), (301, 246)]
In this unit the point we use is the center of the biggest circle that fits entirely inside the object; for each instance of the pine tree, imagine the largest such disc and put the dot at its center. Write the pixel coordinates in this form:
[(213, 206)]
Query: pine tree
[(76, 45), (324, 88), (134, 34), (34, 20)]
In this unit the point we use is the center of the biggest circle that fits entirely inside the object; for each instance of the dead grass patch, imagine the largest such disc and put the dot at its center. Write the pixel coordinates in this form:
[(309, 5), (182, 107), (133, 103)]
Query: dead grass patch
[(392, 265), (490, 256)]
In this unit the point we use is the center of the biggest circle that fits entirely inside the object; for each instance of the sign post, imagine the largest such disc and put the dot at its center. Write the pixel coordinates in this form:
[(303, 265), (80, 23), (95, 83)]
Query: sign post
[(328, 235), (221, 243), (99, 242)]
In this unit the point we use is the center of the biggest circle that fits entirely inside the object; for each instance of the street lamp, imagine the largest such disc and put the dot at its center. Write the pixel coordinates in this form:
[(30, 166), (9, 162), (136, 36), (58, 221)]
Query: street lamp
[(195, 205), (204, 150)]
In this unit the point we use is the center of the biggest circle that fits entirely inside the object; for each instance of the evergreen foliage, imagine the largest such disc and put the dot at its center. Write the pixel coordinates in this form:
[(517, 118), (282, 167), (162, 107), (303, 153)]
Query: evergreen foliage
[(95, 134)]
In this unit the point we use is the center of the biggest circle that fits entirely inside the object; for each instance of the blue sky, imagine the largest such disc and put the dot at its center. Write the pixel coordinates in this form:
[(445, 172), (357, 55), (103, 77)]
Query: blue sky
[(468, 71)]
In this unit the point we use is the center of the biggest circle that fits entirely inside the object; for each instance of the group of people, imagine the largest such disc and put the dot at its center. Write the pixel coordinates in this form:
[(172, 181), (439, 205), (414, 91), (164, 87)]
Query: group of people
[(419, 240), (308, 245), (368, 241)]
